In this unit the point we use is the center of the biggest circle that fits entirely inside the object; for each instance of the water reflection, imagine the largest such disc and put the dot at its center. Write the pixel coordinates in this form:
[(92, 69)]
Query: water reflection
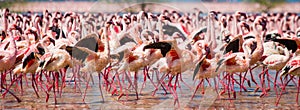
[(72, 99)]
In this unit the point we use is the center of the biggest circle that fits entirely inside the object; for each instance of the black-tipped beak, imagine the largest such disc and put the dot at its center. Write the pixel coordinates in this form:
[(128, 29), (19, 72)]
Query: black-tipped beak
[(163, 46)]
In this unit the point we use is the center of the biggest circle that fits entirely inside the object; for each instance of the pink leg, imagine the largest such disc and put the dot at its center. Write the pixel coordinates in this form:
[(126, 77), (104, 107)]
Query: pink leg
[(86, 87), (136, 85), (160, 81), (120, 85), (269, 82), (56, 74), (262, 80), (17, 98), (253, 80), (147, 74), (33, 82), (12, 82), (278, 98), (232, 86), (241, 82), (21, 84), (241, 86), (216, 85), (100, 87), (145, 77), (298, 91), (223, 84), (185, 83), (228, 82), (208, 81), (54, 81), (63, 80), (275, 82), (175, 93), (197, 89)]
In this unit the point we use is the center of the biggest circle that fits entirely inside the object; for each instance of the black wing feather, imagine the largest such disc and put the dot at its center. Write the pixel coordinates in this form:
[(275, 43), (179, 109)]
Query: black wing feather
[(27, 59), (232, 46), (163, 46), (289, 44)]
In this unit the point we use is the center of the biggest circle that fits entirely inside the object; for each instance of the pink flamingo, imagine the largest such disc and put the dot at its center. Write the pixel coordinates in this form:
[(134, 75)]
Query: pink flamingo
[(292, 68), (177, 61), (206, 67), (7, 60)]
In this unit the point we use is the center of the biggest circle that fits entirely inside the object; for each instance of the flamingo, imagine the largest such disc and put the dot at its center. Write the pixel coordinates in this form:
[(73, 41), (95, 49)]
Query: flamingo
[(55, 61), (234, 62), (94, 59), (7, 60), (291, 67), (277, 62), (177, 61), (206, 67)]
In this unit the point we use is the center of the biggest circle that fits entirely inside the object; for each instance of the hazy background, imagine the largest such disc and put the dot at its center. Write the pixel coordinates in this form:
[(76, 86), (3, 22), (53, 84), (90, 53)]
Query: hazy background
[(151, 5)]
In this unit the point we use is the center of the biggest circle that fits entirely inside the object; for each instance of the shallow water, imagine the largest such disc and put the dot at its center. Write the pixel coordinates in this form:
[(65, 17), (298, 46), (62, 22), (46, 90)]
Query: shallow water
[(73, 99)]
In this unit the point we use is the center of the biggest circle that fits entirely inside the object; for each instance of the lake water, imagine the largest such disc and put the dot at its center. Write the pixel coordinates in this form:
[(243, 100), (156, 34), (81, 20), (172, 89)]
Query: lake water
[(72, 99)]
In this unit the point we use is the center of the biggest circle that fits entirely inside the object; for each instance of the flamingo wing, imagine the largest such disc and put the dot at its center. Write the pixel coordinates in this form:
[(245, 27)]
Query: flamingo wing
[(90, 42), (289, 43), (163, 46), (126, 39), (290, 67), (232, 46), (229, 59), (198, 67), (77, 53), (170, 29), (28, 59), (196, 33)]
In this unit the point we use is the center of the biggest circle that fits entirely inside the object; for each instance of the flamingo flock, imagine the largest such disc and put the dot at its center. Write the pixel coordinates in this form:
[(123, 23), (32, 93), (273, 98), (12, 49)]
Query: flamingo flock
[(120, 48)]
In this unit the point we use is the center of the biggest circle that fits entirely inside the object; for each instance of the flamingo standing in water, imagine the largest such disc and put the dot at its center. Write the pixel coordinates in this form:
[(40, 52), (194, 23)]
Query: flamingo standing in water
[(257, 43), (206, 67), (94, 57), (277, 62), (7, 61), (292, 67), (177, 61), (232, 63), (56, 60)]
